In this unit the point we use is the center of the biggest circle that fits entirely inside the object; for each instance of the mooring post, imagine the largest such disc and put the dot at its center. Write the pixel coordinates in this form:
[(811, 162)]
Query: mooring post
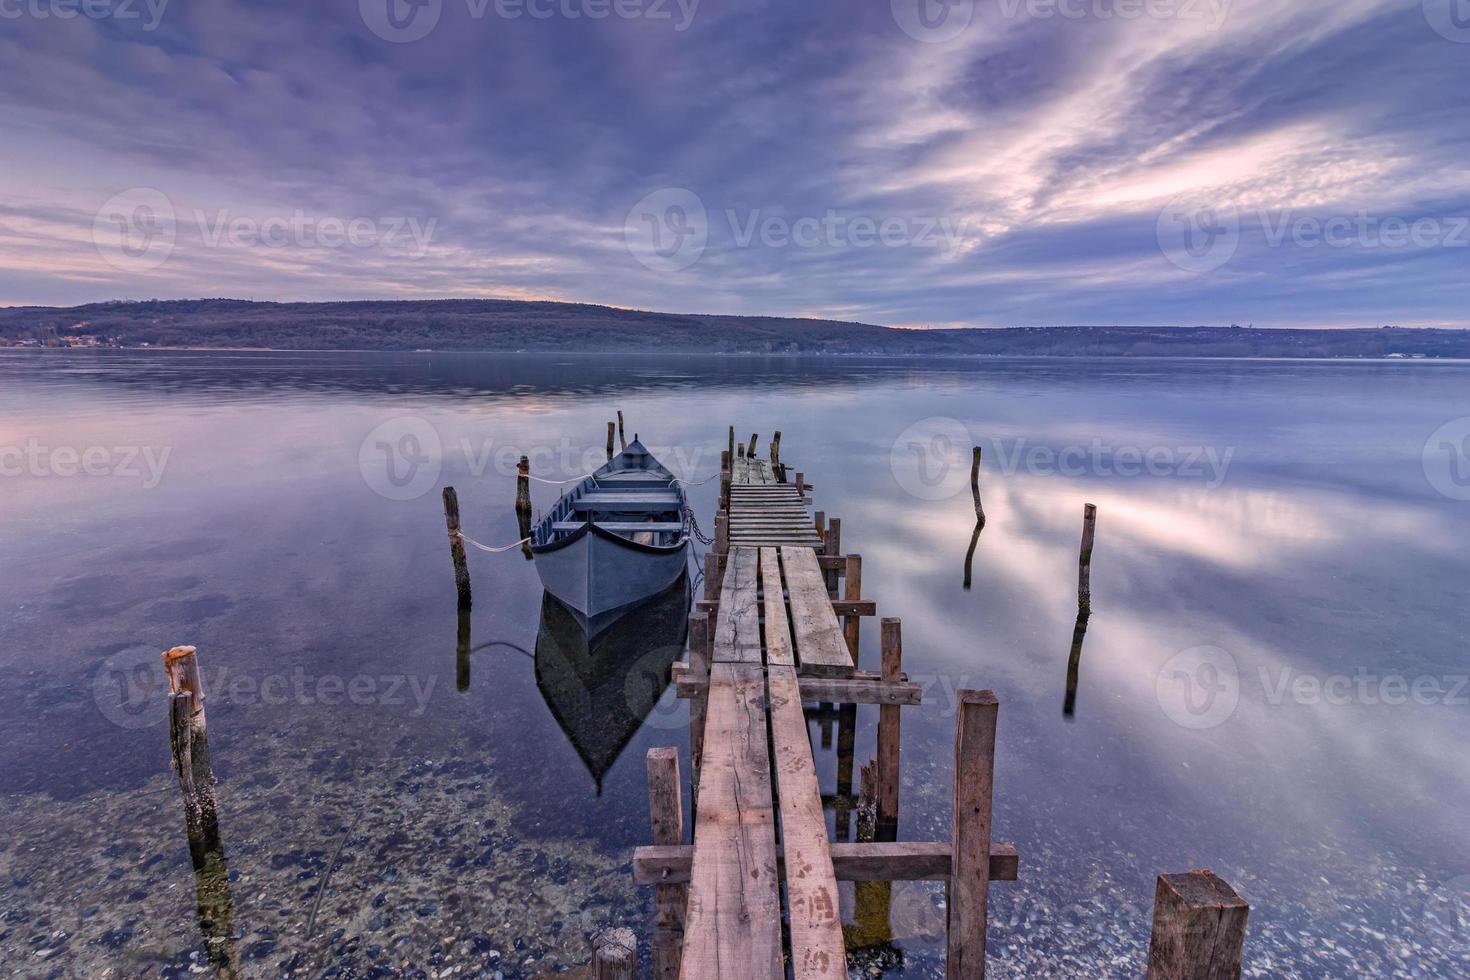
[(523, 487), (776, 450), (713, 575), (800, 484), (1074, 664), (1084, 573), (611, 429), (750, 449), (456, 547), (725, 478), (622, 439), (975, 486), (740, 450), (846, 757), (666, 814), (699, 661), (969, 884), (832, 548), (462, 652), (970, 554), (872, 900), (889, 728), (722, 532), (852, 591), (730, 448), (1199, 928), (190, 745), (614, 954)]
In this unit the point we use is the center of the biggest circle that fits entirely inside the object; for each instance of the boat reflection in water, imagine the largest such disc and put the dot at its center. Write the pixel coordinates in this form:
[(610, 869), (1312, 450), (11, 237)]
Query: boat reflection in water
[(602, 683)]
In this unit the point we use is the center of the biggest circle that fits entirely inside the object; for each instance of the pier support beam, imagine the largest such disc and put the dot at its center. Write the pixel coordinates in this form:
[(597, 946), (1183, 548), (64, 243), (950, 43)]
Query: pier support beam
[(614, 955), (1199, 928), (889, 734), (969, 886), (611, 431), (699, 661), (852, 591), (666, 814)]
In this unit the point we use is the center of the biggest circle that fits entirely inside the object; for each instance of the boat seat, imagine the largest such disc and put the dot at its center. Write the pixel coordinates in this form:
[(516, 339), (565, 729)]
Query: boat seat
[(621, 527), (629, 500)]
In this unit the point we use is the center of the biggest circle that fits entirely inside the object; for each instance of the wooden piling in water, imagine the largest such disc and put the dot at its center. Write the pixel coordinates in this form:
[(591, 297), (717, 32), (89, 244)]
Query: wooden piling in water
[(969, 884), (975, 487), (726, 478), (699, 661), (852, 591), (800, 484), (666, 814), (970, 554), (189, 741), (462, 652), (523, 487), (740, 450), (456, 547), (730, 448), (614, 954), (1199, 928), (750, 448), (712, 575), (611, 429), (832, 547), (722, 532), (1084, 563), (622, 439), (889, 732)]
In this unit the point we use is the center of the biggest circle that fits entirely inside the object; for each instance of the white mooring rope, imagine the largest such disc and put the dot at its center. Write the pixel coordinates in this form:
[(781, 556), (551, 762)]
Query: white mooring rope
[(485, 547)]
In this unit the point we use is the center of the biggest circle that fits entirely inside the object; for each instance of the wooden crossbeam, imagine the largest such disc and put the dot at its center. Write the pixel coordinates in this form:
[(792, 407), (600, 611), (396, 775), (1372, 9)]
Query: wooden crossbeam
[(903, 861), (733, 922)]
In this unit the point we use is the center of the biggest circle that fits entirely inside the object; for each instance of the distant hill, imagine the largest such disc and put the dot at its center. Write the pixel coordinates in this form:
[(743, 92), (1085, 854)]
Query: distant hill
[(507, 325)]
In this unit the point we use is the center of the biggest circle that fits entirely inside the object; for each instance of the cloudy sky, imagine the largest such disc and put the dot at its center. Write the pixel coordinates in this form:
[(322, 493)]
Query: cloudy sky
[(907, 162)]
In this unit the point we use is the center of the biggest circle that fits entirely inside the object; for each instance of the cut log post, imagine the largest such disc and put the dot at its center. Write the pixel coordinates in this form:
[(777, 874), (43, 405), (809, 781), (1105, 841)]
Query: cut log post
[(975, 487), (614, 954), (456, 547), (523, 487), (191, 752), (216, 912), (611, 428), (969, 886), (852, 591), (699, 661), (622, 439), (1084, 573), (1199, 928), (889, 737), (666, 814)]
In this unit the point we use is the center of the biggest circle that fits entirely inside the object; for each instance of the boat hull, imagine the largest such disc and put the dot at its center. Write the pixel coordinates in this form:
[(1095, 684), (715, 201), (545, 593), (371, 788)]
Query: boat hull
[(597, 574)]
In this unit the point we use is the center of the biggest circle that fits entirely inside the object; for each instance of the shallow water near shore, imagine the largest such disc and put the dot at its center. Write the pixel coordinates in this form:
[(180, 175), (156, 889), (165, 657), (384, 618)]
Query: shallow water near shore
[(1271, 684)]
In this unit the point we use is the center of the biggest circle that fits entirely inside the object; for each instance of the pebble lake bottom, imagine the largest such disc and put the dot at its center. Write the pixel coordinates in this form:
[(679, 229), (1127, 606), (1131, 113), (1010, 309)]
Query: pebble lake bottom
[(1271, 685)]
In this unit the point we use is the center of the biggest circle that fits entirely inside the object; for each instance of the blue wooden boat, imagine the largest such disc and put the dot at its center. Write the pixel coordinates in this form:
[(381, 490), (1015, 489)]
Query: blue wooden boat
[(620, 536)]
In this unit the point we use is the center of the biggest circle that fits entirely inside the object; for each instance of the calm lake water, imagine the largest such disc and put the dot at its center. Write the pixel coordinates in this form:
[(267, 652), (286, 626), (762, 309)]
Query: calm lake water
[(1272, 684)]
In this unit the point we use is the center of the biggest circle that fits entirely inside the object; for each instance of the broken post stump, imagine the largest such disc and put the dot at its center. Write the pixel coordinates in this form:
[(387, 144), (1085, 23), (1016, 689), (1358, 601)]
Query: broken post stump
[(523, 487), (622, 439), (975, 487), (1084, 562), (1199, 928), (852, 590), (614, 954), (189, 742), (456, 547)]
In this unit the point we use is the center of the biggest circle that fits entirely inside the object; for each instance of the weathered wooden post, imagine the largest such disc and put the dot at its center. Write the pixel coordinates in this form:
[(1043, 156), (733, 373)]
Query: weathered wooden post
[(1199, 928), (523, 487), (189, 742), (699, 661), (832, 548), (1074, 663), (975, 487), (462, 652), (969, 884), (456, 547), (614, 954), (846, 757), (722, 532), (800, 484), (725, 479), (821, 521), (852, 591), (970, 554), (872, 900), (611, 427), (1084, 574), (713, 575), (740, 450), (622, 439), (666, 814), (730, 448), (889, 732), (776, 452), (750, 449)]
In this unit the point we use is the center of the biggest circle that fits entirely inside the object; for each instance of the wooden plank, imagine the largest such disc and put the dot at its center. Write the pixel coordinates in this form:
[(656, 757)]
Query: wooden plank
[(778, 629), (820, 647), (811, 885), (834, 690), (969, 887), (863, 861), (1199, 928), (733, 922), (737, 635)]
